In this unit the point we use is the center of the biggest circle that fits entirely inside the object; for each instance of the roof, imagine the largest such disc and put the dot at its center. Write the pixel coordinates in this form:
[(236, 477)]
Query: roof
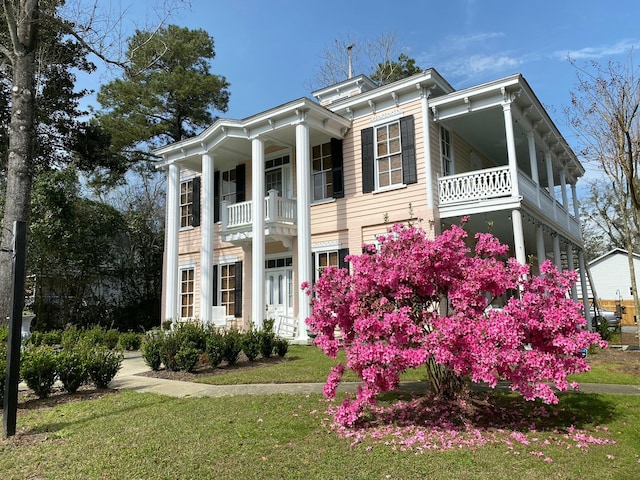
[(609, 254)]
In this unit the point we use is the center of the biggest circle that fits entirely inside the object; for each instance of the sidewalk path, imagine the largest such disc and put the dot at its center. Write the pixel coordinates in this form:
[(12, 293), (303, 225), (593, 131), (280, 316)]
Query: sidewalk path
[(128, 378)]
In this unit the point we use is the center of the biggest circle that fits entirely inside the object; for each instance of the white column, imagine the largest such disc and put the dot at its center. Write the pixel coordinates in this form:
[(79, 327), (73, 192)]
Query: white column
[(563, 189), (557, 254), (552, 187), (257, 231), (426, 145), (511, 150), (206, 247), (576, 204), (533, 158), (303, 195), (540, 249), (585, 291), (572, 266), (518, 236), (173, 229)]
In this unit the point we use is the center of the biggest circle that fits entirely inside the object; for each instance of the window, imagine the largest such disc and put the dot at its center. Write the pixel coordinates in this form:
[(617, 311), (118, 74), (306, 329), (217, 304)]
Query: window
[(388, 154), (228, 186), (187, 292), (327, 259), (190, 202), (322, 172), (445, 147), (228, 287), (186, 203)]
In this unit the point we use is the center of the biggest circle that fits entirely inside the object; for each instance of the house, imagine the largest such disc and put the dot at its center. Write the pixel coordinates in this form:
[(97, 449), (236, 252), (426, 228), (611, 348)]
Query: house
[(611, 278), (256, 207)]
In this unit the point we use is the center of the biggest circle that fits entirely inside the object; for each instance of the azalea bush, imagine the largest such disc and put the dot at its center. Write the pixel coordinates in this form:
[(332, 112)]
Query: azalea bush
[(415, 301)]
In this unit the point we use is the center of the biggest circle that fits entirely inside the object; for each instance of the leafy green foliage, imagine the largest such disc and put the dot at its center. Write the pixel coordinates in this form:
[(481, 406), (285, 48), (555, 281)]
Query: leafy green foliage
[(392, 71), (152, 349), (215, 348), (267, 338), (51, 338), (38, 369), (231, 346), (251, 344), (130, 341), (187, 357), (102, 365), (72, 369), (281, 346), (171, 344)]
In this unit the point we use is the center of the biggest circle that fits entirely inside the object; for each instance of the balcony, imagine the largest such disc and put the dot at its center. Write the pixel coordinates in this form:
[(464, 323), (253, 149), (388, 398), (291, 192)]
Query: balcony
[(280, 219), (492, 190)]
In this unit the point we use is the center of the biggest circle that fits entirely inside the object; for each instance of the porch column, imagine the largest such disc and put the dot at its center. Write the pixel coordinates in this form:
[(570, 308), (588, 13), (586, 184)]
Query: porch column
[(303, 195), (576, 204), (206, 247), (572, 266), (533, 158), (511, 152), (557, 254), (563, 189), (426, 145), (518, 236), (540, 249), (173, 229), (585, 291), (257, 232), (552, 187)]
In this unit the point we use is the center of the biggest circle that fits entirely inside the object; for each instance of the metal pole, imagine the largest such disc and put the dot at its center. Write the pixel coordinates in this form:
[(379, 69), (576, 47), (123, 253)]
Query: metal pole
[(15, 329)]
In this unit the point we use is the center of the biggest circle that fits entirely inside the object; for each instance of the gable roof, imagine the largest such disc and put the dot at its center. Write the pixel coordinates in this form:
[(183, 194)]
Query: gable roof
[(609, 254)]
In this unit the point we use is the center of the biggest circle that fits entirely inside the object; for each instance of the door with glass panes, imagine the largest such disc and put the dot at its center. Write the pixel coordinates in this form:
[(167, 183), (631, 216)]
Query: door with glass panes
[(279, 287)]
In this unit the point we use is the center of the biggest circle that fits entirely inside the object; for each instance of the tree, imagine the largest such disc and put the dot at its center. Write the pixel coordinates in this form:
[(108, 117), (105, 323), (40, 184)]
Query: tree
[(392, 313), (166, 95), (374, 58), (25, 46), (605, 116)]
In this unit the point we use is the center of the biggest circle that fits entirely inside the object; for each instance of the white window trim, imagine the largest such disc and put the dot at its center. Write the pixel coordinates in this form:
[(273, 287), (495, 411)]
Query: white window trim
[(451, 153), (188, 177), (181, 268), (313, 174), (219, 282), (395, 186)]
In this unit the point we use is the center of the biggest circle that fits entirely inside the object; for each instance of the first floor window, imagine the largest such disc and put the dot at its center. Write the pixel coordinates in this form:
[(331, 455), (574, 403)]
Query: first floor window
[(327, 259), (228, 287), (388, 154), (186, 203), (322, 172), (187, 292)]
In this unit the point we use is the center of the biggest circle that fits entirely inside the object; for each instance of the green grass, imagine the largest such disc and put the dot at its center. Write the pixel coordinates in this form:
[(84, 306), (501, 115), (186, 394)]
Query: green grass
[(302, 364), (605, 373), (132, 435)]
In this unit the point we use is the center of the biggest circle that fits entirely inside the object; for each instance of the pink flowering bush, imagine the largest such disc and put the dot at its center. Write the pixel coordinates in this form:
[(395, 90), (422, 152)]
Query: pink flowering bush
[(418, 301)]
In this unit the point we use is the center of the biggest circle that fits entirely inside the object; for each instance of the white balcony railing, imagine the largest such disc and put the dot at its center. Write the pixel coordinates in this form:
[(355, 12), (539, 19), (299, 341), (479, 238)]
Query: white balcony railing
[(276, 210), (476, 185)]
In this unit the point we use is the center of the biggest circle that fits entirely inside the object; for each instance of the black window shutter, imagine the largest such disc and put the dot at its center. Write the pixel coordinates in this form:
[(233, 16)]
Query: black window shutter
[(342, 253), (216, 197), (313, 268), (195, 218), (215, 286), (237, 306), (368, 168), (337, 169), (240, 181), (407, 138)]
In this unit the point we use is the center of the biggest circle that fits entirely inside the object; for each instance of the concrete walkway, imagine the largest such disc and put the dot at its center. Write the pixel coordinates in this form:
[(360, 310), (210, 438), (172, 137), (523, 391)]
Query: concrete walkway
[(128, 378)]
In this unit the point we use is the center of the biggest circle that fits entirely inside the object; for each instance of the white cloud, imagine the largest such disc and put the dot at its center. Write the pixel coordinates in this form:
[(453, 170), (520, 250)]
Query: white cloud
[(618, 48), (478, 66), (459, 42)]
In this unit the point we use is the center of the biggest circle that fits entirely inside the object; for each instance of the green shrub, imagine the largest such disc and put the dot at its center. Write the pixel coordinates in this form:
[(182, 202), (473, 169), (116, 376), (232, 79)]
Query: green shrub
[(215, 348), (51, 338), (171, 343), (111, 338), (70, 337), (281, 346), (231, 346), (3, 368), (152, 349), (267, 338), (251, 344), (130, 341), (166, 324), (4, 334), (103, 364), (72, 369), (187, 357), (192, 332), (38, 369)]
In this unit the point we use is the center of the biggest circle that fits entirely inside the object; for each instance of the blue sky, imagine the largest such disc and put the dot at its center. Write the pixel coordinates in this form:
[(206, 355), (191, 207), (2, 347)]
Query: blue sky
[(270, 50)]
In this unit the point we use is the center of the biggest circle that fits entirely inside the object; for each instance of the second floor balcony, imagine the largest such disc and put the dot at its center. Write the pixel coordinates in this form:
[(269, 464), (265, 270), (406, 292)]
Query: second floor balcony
[(280, 219), (492, 189)]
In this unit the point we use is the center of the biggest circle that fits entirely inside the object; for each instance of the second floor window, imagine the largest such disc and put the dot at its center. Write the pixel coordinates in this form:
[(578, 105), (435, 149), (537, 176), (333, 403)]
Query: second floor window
[(228, 186), (445, 148), (388, 153), (186, 203), (322, 172)]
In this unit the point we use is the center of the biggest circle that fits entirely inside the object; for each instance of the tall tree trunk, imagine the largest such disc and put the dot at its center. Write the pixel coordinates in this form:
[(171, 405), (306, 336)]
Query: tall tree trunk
[(22, 21)]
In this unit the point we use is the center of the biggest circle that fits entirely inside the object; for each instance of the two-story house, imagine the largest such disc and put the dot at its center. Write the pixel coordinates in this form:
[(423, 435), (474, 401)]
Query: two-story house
[(256, 207)]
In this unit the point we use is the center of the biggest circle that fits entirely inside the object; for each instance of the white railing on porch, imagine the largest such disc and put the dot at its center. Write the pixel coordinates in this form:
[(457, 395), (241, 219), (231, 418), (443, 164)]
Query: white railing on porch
[(477, 185), (276, 210)]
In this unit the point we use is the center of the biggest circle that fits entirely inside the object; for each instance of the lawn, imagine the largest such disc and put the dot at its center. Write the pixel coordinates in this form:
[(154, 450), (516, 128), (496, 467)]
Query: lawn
[(133, 435)]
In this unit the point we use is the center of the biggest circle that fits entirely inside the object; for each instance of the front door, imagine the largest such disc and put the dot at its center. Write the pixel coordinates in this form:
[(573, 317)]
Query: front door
[(279, 292)]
